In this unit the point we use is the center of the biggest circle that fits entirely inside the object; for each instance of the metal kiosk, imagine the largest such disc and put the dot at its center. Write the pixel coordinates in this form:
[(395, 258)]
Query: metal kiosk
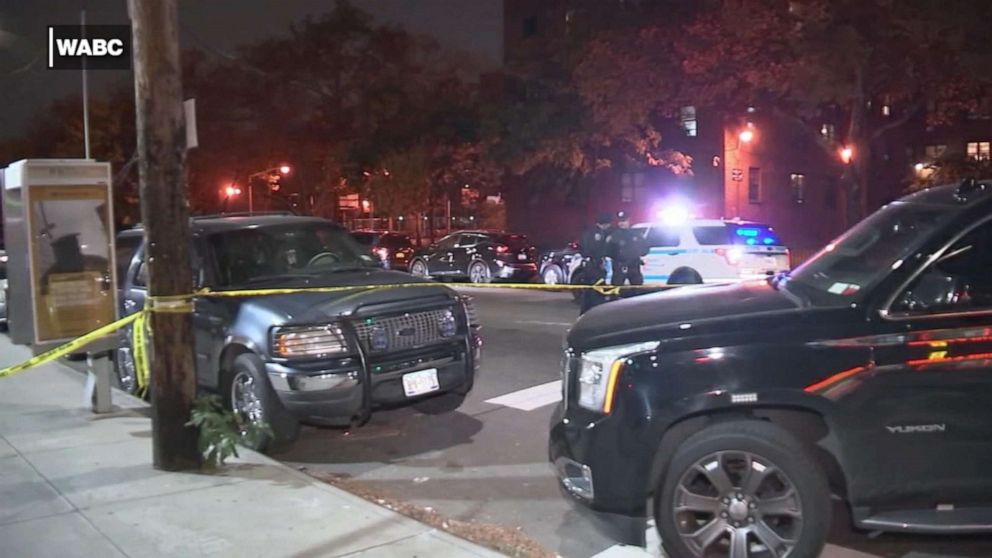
[(59, 230)]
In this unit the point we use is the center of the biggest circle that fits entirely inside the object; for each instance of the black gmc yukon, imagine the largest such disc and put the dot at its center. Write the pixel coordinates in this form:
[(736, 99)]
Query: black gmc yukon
[(732, 413), (320, 357)]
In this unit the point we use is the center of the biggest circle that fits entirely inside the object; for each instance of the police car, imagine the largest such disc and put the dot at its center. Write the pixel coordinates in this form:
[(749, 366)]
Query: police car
[(711, 251)]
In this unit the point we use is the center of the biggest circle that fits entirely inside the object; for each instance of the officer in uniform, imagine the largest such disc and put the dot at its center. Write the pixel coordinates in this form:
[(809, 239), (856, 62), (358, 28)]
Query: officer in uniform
[(626, 247), (595, 251)]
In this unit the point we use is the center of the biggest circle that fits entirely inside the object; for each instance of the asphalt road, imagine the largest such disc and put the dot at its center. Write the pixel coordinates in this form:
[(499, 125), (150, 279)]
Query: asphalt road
[(487, 462)]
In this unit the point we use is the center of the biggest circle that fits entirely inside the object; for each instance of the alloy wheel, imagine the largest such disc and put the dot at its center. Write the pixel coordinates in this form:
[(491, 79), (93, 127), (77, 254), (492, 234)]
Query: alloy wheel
[(739, 505), (246, 400), (551, 276), (478, 273), (419, 269)]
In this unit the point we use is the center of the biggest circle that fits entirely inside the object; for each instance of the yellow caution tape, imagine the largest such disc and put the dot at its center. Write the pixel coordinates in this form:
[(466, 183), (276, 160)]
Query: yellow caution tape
[(70, 347), (184, 304)]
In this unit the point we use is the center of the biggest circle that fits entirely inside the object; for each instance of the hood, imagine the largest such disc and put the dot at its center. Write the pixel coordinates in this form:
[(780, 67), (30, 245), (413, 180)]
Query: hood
[(317, 307), (660, 315)]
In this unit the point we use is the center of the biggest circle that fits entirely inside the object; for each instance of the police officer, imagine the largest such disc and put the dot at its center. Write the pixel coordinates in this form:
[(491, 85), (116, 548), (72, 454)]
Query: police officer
[(595, 251), (626, 248)]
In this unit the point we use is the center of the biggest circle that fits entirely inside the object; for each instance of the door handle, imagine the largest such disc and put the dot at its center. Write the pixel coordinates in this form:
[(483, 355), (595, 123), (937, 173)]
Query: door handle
[(214, 320)]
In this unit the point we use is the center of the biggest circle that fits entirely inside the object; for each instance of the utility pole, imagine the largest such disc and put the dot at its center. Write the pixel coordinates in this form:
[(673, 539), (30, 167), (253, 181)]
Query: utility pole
[(162, 159)]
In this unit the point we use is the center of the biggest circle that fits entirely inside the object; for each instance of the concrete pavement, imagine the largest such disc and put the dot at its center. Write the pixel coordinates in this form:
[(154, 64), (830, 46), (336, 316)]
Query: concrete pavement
[(77, 484)]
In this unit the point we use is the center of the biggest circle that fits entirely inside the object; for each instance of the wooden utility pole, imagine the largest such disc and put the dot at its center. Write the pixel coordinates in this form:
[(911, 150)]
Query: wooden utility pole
[(162, 159)]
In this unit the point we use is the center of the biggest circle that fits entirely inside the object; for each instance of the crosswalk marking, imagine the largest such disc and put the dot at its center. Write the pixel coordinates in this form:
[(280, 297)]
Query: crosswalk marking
[(530, 398)]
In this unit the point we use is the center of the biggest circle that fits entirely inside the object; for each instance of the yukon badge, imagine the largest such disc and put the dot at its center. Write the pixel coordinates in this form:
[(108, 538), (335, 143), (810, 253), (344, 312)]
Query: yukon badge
[(917, 428)]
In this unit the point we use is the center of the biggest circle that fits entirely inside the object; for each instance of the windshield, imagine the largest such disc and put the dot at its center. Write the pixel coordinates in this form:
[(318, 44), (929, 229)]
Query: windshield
[(842, 272), (366, 239), (249, 255)]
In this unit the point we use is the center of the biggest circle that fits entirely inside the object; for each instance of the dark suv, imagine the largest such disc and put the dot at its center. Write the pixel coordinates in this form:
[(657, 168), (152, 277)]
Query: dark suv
[(736, 411), (321, 357)]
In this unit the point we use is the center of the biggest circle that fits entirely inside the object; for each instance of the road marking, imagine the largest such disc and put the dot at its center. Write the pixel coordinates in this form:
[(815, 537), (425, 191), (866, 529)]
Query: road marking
[(530, 398), (565, 324)]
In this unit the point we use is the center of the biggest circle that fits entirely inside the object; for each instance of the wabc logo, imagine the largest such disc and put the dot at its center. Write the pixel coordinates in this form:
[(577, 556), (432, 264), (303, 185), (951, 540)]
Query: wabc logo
[(104, 47)]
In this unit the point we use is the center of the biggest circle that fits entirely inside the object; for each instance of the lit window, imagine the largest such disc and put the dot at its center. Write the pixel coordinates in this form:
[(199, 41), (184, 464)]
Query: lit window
[(687, 119), (886, 110), (935, 152), (798, 185), (980, 150), (754, 185)]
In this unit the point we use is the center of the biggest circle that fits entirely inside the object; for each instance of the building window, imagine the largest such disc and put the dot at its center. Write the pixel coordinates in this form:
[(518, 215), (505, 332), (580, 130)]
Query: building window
[(530, 26), (979, 150), (687, 119), (830, 194), (935, 152), (627, 193), (632, 187), (829, 132), (754, 185), (797, 183)]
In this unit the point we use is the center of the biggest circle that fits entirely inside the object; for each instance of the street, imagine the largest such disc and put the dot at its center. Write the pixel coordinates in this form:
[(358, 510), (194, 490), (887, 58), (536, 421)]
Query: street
[(488, 461)]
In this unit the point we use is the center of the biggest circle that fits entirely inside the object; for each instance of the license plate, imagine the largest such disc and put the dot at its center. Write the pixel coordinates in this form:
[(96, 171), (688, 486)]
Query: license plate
[(522, 257), (400, 255), (419, 383)]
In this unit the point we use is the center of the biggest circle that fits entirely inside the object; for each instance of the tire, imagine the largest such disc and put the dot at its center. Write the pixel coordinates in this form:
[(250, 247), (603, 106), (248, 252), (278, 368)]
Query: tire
[(479, 273), (440, 404), (788, 507), (685, 276), (552, 275), (418, 268), (247, 391)]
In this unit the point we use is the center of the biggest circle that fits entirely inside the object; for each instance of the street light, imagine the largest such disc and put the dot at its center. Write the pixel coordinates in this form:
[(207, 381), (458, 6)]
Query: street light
[(746, 136), (282, 169), (232, 190), (846, 154)]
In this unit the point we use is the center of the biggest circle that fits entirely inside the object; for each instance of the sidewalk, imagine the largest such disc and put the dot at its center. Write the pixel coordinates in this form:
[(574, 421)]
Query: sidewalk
[(73, 483)]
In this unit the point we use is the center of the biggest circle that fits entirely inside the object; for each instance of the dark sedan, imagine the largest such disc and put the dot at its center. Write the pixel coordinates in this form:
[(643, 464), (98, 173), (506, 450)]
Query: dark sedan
[(479, 256), (393, 249)]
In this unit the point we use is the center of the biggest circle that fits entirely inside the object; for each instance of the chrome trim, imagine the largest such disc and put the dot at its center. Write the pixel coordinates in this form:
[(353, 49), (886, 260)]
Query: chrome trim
[(885, 313)]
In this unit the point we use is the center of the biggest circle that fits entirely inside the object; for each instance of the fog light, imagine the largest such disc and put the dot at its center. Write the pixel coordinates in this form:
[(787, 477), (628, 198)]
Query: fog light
[(378, 338), (575, 477), (447, 325)]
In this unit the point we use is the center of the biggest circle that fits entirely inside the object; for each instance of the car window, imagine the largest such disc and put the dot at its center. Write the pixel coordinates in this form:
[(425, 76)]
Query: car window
[(732, 233), (366, 239), (959, 281), (468, 240), (845, 270), (513, 241), (395, 241), (125, 247), (141, 277), (660, 237), (448, 242), (248, 255)]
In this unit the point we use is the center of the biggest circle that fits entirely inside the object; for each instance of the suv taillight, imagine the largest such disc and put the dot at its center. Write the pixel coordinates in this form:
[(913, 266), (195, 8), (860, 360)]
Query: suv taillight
[(502, 249), (732, 255)]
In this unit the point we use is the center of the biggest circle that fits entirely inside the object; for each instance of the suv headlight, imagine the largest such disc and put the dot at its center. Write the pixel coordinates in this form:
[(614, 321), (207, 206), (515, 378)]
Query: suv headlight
[(599, 371), (308, 341)]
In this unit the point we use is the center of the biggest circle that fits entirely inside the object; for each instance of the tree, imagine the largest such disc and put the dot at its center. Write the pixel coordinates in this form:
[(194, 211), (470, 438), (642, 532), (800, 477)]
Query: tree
[(806, 62)]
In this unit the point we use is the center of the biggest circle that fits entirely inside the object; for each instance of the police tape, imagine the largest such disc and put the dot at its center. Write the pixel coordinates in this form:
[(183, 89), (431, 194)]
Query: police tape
[(184, 304)]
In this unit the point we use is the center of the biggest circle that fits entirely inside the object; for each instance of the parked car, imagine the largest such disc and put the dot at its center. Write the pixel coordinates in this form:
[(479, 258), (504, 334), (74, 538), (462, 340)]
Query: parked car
[(557, 266), (318, 357), (711, 251), (737, 410), (3, 287), (479, 256), (393, 249)]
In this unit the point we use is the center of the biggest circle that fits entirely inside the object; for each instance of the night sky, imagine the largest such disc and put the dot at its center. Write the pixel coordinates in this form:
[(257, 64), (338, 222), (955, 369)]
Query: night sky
[(473, 27)]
